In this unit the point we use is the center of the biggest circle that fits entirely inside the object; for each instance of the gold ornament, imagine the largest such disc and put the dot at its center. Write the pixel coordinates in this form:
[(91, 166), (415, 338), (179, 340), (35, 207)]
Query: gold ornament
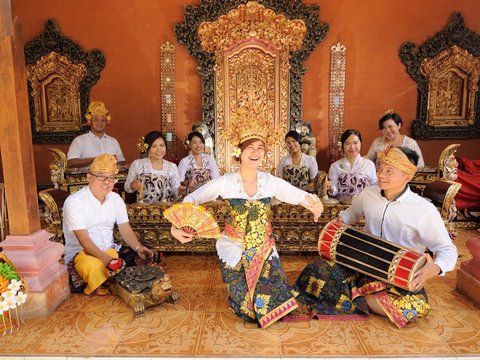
[(252, 122), (97, 108), (388, 112), (104, 163), (141, 145)]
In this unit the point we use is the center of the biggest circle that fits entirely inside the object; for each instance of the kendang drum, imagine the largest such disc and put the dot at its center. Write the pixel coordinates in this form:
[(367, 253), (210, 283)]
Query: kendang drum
[(369, 254)]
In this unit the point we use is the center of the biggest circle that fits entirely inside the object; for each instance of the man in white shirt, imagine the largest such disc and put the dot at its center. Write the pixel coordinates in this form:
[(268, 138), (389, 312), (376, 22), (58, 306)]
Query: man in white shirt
[(394, 212), (89, 216), (85, 147)]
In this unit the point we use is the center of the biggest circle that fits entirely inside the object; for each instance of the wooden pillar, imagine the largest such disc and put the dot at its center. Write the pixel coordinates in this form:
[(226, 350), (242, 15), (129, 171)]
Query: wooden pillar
[(27, 246)]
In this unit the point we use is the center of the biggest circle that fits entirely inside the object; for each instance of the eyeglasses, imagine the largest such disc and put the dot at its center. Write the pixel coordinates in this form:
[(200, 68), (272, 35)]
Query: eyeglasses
[(103, 178)]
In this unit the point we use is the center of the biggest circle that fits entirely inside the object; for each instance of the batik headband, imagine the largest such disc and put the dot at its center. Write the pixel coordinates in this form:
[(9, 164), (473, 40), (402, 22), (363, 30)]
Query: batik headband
[(397, 158)]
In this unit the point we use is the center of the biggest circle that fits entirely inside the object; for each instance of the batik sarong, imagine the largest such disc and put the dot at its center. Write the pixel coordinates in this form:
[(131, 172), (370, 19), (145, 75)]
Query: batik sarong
[(257, 286), (328, 290)]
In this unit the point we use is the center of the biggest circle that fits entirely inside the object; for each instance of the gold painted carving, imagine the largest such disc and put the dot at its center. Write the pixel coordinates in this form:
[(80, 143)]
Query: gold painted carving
[(58, 167), (252, 21), (453, 77), (167, 80), (252, 47), (336, 105), (55, 83)]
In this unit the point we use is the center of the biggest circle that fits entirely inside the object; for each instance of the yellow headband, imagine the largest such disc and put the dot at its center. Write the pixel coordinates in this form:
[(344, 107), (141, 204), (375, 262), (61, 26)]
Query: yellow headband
[(97, 108), (397, 158), (104, 163)]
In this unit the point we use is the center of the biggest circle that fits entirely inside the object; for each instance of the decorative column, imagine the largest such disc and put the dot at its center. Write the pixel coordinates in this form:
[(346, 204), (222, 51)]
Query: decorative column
[(27, 246), (336, 105), (468, 275), (167, 69)]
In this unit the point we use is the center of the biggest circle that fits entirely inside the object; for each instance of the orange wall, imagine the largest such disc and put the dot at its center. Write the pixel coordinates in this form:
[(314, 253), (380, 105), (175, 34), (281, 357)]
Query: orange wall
[(130, 34)]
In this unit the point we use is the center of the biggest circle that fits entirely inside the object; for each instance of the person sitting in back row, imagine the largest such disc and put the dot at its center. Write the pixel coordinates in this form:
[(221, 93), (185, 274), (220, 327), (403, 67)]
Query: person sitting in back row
[(197, 168), (390, 124), (297, 168), (152, 177), (353, 173), (85, 147)]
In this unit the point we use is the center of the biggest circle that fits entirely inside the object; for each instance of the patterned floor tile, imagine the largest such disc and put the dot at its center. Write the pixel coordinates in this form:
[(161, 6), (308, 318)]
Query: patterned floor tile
[(320, 338), (226, 335)]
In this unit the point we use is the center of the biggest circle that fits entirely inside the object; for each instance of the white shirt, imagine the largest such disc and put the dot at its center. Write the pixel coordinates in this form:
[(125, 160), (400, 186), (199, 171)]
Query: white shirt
[(143, 166), (82, 210), (89, 145), (361, 166), (379, 145), (410, 221), (305, 161), (208, 162), (229, 186)]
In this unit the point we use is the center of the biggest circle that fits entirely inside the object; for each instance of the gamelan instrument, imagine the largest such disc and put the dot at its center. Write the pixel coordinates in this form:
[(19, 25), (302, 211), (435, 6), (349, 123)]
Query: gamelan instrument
[(369, 254)]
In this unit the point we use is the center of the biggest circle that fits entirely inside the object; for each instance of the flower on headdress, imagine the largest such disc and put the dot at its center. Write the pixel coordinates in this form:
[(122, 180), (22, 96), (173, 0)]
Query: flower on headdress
[(388, 112), (236, 152), (186, 142), (141, 145)]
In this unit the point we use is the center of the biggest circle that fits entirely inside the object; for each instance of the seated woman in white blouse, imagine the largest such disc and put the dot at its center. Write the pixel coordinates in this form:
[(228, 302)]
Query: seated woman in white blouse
[(197, 168), (297, 168), (390, 124), (350, 175), (154, 178)]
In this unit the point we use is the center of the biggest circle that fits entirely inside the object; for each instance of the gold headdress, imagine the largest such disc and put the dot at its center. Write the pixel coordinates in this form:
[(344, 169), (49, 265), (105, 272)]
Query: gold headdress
[(397, 158), (250, 122), (142, 145), (97, 108), (104, 163)]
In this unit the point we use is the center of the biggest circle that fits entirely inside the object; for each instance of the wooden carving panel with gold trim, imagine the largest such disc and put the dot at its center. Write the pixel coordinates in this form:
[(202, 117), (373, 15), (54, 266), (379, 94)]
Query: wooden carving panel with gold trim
[(55, 83), (446, 68)]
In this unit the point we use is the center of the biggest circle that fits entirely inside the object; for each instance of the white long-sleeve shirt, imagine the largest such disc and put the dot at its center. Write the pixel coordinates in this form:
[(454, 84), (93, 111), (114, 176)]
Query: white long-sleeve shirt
[(409, 220)]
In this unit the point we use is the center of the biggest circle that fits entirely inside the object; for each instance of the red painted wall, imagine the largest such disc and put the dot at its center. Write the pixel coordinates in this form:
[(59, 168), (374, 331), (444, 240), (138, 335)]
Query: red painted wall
[(130, 33)]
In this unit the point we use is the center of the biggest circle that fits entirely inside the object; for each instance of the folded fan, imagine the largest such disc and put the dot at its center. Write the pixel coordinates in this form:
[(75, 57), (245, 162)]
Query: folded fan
[(194, 219)]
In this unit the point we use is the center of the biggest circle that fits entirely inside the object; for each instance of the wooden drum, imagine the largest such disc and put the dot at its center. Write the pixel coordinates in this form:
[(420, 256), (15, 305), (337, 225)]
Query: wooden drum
[(369, 254)]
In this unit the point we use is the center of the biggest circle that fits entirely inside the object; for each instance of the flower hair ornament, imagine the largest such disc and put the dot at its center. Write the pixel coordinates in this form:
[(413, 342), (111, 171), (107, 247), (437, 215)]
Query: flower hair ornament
[(252, 122), (388, 112), (142, 145), (97, 108), (186, 142), (236, 152)]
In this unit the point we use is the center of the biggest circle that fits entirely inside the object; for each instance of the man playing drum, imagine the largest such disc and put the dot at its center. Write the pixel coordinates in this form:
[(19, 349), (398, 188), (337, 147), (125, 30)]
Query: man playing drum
[(393, 212)]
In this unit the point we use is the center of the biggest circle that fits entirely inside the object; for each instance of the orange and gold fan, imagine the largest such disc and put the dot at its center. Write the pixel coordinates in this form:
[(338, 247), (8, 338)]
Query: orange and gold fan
[(194, 219)]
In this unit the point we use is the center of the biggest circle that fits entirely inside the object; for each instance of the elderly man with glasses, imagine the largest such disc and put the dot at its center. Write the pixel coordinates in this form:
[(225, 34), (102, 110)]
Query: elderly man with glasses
[(89, 216)]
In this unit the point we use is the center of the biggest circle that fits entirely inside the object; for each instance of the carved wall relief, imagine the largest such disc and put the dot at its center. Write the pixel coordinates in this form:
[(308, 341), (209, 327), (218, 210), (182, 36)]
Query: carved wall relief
[(55, 89), (446, 68), (257, 20), (60, 75)]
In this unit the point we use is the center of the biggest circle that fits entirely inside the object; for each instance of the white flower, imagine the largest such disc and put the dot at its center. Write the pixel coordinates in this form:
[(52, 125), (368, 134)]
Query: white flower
[(11, 302), (21, 298), (15, 285), (8, 294), (3, 307), (236, 152)]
